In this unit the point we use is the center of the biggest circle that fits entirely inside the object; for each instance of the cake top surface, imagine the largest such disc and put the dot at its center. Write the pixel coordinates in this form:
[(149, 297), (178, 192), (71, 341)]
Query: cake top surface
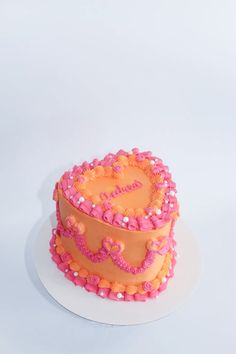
[(132, 190)]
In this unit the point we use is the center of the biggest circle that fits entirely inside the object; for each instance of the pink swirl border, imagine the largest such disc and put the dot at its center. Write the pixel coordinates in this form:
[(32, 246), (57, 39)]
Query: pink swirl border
[(105, 292), (117, 259), (149, 222)]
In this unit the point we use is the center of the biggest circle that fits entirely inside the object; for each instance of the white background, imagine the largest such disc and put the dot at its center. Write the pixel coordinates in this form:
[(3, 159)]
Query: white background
[(81, 78)]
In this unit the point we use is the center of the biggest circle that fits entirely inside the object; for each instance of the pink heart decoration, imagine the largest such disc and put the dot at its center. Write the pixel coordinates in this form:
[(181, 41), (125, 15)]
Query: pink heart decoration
[(112, 247), (164, 249), (160, 246)]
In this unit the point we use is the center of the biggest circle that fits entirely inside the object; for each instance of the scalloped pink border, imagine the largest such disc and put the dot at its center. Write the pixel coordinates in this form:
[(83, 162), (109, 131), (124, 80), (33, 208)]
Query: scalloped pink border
[(102, 254), (91, 284), (150, 221)]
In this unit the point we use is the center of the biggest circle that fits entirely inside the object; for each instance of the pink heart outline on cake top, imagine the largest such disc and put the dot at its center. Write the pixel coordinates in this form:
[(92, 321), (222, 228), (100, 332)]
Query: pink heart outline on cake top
[(112, 247), (72, 180), (160, 246)]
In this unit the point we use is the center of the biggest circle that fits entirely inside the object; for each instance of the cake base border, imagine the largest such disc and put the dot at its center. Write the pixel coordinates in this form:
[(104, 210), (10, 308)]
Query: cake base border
[(92, 307)]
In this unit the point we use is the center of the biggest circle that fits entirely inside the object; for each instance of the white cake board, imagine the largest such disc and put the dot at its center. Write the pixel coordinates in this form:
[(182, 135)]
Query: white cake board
[(92, 307)]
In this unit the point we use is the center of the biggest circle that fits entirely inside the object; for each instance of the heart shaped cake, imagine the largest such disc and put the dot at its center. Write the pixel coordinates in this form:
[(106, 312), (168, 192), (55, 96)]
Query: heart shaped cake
[(116, 218)]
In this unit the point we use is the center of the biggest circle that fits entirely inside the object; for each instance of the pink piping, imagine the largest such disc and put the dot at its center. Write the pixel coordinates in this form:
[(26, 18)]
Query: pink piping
[(158, 168), (102, 254), (105, 292)]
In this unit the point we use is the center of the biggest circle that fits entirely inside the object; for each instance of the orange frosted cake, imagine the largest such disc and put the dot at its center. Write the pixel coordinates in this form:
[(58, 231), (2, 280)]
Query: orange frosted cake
[(116, 216)]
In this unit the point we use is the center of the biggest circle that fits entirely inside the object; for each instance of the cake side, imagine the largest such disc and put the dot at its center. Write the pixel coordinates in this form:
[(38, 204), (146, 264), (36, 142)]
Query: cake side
[(134, 246)]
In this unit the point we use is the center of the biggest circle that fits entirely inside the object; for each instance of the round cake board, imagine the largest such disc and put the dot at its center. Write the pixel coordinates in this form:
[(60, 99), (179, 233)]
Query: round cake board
[(92, 307)]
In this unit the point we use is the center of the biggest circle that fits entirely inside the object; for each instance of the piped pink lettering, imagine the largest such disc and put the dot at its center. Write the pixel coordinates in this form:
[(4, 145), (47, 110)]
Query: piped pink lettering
[(121, 190)]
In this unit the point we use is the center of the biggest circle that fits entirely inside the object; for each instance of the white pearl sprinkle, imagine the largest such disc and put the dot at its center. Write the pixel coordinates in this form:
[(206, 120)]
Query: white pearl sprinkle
[(66, 270), (119, 295), (171, 205), (71, 196), (166, 201), (158, 211), (101, 293), (164, 280), (69, 187), (76, 274), (91, 164), (125, 218), (81, 200), (146, 217), (93, 205), (71, 177), (150, 213), (165, 183), (152, 162), (172, 193)]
